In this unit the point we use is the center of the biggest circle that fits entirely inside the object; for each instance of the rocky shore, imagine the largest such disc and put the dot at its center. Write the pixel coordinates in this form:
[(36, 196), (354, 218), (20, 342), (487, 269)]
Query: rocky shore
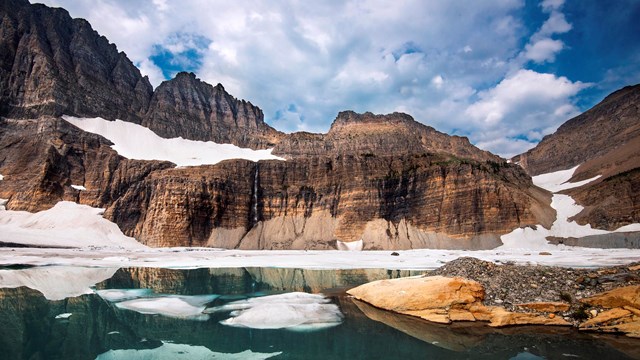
[(468, 289)]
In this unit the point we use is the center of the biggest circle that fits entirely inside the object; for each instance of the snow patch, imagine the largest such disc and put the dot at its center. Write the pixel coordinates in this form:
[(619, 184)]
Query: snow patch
[(558, 180), (294, 311), (175, 306), (350, 245), (1, 177), (67, 224), (138, 142), (64, 316), (79, 187), (56, 282), (169, 351)]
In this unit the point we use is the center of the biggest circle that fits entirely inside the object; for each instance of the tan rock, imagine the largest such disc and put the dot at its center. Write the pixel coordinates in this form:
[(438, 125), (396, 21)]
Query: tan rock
[(634, 268), (501, 317), (624, 296), (550, 306), (416, 294), (607, 317), (440, 316), (635, 311), (461, 315)]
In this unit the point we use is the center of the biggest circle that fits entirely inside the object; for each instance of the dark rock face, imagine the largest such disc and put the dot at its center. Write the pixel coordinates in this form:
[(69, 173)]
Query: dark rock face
[(51, 64), (188, 107), (610, 124)]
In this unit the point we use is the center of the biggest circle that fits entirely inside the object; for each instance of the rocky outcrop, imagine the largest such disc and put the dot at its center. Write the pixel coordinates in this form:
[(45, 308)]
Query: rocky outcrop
[(189, 108), (367, 134), (52, 64), (444, 300), (390, 202)]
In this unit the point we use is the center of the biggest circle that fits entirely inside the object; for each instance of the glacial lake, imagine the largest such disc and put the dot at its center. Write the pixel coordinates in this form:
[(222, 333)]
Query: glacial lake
[(248, 313)]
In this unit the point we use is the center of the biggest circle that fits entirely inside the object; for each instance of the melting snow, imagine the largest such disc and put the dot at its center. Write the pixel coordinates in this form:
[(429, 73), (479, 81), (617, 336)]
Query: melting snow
[(1, 177), (138, 142), (115, 295), (168, 351), (79, 187), (293, 311), (67, 224), (350, 245)]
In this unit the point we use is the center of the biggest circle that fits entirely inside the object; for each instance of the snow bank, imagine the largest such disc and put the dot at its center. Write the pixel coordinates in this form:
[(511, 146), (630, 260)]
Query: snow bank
[(293, 311), (175, 306), (56, 282), (138, 142), (3, 203), (67, 224), (169, 351)]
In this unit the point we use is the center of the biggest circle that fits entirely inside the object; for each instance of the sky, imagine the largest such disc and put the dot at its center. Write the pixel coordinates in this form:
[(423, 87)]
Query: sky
[(503, 73)]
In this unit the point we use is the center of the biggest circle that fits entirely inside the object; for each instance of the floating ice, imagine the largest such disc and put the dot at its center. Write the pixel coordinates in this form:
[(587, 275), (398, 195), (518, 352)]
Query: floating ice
[(138, 142), (168, 351), (175, 306), (294, 311), (79, 187), (64, 316), (56, 282), (116, 295)]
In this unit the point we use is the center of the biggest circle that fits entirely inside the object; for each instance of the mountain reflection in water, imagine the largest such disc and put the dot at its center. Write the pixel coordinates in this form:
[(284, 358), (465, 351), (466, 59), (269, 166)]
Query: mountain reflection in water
[(97, 327)]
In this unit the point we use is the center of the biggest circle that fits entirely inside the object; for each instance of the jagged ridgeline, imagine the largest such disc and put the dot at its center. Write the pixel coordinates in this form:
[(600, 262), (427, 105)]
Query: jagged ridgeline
[(386, 179)]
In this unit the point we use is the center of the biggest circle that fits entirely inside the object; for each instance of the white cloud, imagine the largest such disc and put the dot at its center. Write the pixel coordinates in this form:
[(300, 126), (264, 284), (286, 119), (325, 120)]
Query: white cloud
[(543, 50), (549, 5), (150, 69)]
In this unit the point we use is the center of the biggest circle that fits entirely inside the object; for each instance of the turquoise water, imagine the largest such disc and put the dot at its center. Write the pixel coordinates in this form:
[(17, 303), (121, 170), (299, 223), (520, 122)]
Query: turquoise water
[(166, 322)]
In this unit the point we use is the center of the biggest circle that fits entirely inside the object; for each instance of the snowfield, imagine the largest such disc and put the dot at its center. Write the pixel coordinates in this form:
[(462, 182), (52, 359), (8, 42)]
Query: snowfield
[(138, 142)]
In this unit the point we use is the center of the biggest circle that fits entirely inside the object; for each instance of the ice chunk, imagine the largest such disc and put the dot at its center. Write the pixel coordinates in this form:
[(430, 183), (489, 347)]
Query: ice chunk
[(138, 142), (63, 316), (294, 311), (350, 245), (175, 306), (168, 351), (115, 295)]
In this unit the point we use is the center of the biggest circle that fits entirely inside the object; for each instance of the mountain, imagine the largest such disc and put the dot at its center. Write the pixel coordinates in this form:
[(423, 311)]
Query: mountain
[(604, 141), (386, 179)]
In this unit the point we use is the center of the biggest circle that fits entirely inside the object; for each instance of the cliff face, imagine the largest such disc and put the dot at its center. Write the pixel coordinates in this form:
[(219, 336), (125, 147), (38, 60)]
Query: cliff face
[(390, 202), (51, 64), (192, 109)]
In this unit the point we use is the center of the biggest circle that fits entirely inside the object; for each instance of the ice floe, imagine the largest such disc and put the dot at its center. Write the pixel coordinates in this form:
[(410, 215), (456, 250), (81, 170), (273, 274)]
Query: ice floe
[(138, 142), (174, 306), (292, 311), (169, 351), (67, 224), (56, 282), (115, 295), (63, 316)]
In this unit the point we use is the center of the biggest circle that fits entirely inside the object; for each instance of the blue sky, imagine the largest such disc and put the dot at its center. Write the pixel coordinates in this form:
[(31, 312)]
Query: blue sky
[(504, 72)]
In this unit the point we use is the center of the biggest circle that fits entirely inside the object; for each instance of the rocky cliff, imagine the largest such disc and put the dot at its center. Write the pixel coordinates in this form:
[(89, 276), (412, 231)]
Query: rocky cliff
[(605, 142)]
